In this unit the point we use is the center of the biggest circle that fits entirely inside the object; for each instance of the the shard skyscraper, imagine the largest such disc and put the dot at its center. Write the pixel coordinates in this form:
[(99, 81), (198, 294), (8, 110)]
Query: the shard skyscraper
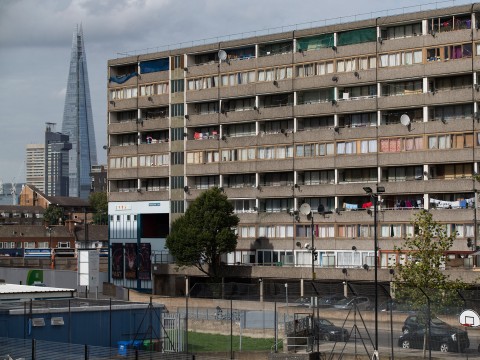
[(78, 121)]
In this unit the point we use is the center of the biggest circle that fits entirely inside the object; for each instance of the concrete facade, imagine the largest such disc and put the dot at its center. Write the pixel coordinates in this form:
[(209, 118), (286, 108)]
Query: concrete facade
[(309, 116)]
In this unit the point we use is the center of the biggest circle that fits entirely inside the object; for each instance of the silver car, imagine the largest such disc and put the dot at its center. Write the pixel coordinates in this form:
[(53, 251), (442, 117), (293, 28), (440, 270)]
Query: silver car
[(360, 302)]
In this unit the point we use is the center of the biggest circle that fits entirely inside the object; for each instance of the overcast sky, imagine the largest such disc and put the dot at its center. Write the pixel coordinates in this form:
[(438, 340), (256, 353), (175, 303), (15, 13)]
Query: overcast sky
[(36, 39)]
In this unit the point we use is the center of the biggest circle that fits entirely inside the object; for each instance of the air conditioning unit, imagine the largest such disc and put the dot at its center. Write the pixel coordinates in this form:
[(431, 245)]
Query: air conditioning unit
[(56, 321), (37, 322), (346, 96)]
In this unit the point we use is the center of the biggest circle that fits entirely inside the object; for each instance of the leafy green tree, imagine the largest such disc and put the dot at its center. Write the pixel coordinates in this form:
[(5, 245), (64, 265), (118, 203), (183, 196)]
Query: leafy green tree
[(419, 279), (99, 203), (204, 232), (53, 215), (423, 255)]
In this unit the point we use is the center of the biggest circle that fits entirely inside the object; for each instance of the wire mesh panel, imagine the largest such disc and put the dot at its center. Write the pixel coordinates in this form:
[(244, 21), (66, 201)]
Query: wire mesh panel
[(15, 348), (173, 333)]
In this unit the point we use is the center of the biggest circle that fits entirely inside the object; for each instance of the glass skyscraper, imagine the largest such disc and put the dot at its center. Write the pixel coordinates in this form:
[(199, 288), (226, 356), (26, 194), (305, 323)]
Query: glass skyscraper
[(78, 121)]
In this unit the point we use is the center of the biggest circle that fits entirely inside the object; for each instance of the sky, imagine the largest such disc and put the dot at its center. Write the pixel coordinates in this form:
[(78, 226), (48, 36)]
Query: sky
[(36, 40)]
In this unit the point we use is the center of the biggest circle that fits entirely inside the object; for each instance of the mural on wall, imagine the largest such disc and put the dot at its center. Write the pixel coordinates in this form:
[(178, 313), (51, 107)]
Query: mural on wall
[(117, 261), (145, 261), (130, 261)]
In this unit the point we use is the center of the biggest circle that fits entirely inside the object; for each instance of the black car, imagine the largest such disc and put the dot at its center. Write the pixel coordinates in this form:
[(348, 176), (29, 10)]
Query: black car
[(443, 337), (327, 331)]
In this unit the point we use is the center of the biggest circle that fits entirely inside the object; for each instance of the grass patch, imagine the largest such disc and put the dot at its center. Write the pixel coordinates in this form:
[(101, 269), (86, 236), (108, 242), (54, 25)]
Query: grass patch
[(200, 342)]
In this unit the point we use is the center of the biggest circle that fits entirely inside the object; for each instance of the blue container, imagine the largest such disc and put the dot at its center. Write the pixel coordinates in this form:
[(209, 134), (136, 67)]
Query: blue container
[(122, 347), (137, 344)]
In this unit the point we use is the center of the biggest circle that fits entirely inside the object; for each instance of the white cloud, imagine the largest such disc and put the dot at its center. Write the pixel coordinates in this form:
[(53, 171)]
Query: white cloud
[(36, 37)]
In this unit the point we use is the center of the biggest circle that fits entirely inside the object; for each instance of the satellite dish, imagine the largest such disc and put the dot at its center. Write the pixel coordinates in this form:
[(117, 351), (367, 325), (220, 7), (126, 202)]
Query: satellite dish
[(405, 120), (222, 55), (305, 209)]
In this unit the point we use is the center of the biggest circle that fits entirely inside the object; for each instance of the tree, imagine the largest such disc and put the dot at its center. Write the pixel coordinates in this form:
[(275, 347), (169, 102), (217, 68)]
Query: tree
[(423, 256), (419, 279), (205, 232), (53, 215), (99, 203)]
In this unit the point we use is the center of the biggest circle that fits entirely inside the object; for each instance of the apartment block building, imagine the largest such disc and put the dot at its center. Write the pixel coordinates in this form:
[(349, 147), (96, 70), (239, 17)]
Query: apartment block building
[(35, 165), (314, 116)]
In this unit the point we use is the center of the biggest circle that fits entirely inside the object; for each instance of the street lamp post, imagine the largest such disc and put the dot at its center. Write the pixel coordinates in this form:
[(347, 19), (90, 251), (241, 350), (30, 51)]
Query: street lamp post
[(374, 197), (305, 209)]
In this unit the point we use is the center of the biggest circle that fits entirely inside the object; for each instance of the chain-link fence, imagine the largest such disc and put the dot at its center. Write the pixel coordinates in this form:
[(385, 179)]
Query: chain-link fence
[(331, 318), (22, 349)]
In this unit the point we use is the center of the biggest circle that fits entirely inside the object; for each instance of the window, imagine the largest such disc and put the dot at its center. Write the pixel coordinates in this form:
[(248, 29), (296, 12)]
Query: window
[(317, 177), (315, 96), (177, 85), (206, 108), (401, 144), (239, 180), (124, 162), (408, 57), (153, 89), (314, 149), (243, 205), (402, 88), (347, 65), (123, 93), (177, 109), (277, 73), (206, 182), (177, 62), (275, 231), (348, 231), (450, 171), (276, 126), (451, 112), (246, 231), (238, 104), (402, 173), (155, 184), (450, 141), (154, 160), (177, 133), (358, 92), (275, 152), (307, 124), (391, 230), (276, 205), (357, 175), (324, 231), (178, 206), (275, 48), (358, 120), (276, 100), (277, 179), (177, 182), (206, 82), (239, 130), (451, 52), (402, 31), (238, 78), (125, 185)]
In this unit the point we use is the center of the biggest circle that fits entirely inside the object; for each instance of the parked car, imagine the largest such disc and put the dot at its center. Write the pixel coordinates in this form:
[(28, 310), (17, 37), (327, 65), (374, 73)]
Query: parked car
[(303, 302), (359, 302), (327, 331), (330, 300), (443, 337)]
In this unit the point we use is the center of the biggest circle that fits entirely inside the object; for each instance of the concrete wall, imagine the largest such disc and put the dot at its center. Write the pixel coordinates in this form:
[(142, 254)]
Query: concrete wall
[(55, 278)]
